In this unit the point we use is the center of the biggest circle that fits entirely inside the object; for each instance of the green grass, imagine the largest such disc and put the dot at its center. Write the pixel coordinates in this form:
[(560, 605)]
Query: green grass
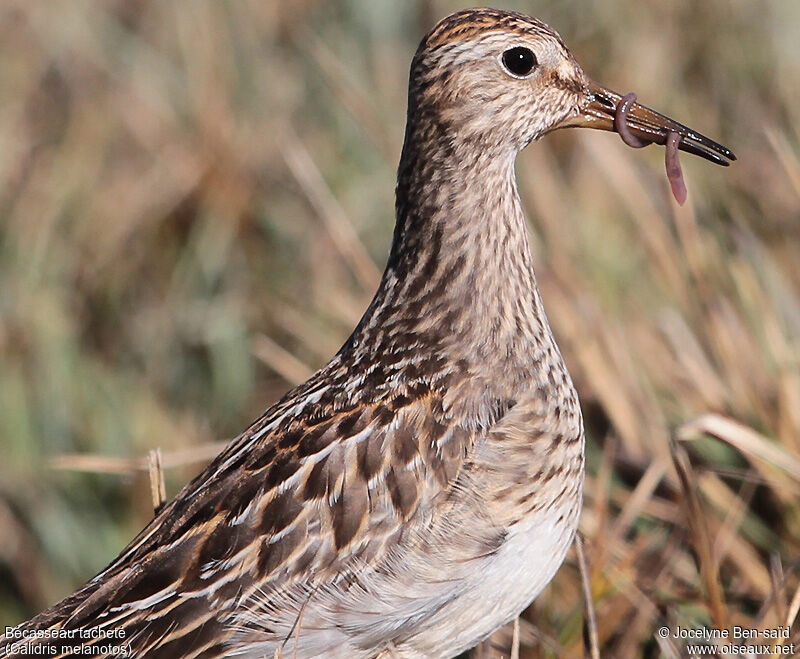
[(196, 200)]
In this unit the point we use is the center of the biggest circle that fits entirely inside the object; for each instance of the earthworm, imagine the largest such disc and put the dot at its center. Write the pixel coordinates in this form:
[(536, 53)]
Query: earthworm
[(621, 120), (673, 165), (671, 161)]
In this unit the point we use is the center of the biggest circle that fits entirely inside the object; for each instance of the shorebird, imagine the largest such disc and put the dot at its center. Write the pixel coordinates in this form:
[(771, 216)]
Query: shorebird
[(423, 487)]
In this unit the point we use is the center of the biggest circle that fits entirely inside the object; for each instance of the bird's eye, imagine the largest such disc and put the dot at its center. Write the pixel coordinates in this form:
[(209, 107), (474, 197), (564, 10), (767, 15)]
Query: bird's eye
[(519, 61)]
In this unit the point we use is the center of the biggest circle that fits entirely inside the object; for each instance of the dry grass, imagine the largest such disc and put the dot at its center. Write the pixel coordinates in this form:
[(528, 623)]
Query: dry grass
[(195, 202)]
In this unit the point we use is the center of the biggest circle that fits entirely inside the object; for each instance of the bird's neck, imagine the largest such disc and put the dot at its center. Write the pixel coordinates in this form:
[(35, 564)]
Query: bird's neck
[(459, 283)]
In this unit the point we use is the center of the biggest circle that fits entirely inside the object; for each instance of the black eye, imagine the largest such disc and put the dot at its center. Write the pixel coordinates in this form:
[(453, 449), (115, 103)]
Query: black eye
[(519, 61)]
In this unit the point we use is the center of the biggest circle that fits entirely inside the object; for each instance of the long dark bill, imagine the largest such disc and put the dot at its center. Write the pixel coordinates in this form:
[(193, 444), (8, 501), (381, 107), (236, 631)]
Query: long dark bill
[(647, 125)]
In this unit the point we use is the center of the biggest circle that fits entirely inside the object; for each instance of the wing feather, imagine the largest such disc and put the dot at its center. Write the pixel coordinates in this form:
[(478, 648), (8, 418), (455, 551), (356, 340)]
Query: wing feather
[(310, 494)]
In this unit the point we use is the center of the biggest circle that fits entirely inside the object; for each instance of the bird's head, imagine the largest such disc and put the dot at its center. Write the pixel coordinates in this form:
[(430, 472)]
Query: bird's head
[(498, 80)]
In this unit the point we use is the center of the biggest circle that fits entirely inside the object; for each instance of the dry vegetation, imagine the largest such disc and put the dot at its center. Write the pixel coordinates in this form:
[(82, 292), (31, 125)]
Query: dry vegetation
[(195, 204)]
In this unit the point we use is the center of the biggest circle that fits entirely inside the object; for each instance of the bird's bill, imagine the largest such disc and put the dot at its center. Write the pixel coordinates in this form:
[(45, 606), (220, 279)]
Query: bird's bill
[(643, 123)]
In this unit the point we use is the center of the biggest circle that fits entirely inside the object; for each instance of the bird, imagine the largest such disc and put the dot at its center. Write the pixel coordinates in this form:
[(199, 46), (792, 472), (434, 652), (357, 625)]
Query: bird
[(422, 488)]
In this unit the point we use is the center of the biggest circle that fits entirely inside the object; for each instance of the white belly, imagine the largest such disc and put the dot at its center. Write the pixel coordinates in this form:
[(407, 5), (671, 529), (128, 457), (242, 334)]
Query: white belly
[(500, 588)]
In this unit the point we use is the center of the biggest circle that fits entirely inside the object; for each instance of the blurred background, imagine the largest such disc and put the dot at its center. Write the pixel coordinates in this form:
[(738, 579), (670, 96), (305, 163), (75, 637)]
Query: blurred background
[(196, 203)]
